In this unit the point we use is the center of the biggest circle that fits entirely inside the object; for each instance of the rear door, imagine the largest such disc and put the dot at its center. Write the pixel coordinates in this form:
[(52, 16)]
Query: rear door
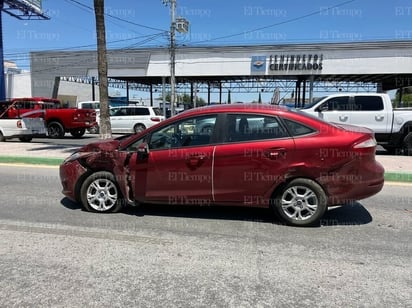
[(255, 157), (369, 111)]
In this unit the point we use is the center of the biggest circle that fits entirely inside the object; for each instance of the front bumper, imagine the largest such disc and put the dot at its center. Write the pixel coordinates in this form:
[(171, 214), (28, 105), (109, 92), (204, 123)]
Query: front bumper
[(71, 173)]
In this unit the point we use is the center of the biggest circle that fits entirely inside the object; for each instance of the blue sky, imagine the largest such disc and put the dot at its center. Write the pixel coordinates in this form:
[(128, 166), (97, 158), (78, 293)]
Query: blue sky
[(131, 24)]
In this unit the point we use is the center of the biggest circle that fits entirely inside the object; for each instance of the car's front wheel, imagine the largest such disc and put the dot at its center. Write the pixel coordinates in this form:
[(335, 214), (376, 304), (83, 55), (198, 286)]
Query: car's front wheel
[(100, 193), (302, 202), (55, 130)]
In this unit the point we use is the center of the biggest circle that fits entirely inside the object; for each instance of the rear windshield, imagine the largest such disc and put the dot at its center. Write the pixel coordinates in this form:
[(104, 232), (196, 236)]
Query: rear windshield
[(157, 111)]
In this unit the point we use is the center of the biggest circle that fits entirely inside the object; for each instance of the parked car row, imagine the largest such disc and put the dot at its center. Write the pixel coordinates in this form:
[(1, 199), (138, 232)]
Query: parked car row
[(54, 120)]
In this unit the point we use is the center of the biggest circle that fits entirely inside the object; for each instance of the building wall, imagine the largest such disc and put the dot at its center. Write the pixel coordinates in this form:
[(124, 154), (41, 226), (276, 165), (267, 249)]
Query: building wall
[(394, 59), (18, 85), (80, 91)]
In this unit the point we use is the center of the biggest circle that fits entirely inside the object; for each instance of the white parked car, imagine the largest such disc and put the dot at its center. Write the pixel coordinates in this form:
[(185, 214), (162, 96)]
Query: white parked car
[(133, 119)]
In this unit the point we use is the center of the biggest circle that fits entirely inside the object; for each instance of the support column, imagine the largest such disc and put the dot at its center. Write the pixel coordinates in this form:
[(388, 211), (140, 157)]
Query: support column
[(164, 95), (93, 89), (311, 80)]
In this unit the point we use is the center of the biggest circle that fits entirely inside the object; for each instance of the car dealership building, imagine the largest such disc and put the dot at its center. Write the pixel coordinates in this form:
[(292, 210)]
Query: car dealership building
[(300, 69)]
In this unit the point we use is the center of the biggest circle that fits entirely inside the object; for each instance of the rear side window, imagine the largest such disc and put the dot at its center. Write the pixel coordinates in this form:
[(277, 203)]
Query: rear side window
[(298, 129), (157, 111), (368, 103), (138, 111), (253, 127)]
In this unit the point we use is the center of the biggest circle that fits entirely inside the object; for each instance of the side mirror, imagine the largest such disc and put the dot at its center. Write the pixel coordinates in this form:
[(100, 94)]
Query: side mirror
[(143, 151)]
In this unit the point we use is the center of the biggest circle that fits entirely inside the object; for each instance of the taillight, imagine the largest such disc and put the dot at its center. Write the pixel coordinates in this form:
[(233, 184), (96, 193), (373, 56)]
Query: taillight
[(19, 124), (370, 143), (155, 119)]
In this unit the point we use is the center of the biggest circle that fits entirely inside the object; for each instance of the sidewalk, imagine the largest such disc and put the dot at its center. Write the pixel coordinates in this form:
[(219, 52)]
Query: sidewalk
[(397, 168)]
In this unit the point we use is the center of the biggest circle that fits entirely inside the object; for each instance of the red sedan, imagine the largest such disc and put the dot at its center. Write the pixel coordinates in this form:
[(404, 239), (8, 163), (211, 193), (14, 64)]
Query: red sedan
[(236, 154)]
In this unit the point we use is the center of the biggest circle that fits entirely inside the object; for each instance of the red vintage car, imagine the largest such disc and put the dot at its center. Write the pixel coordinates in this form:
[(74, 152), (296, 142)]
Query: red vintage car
[(235, 154)]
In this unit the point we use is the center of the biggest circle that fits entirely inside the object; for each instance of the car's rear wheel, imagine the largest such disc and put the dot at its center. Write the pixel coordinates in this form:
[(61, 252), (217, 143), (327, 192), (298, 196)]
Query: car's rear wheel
[(78, 132), (55, 130), (139, 128), (407, 144), (302, 202), (100, 193), (2, 138)]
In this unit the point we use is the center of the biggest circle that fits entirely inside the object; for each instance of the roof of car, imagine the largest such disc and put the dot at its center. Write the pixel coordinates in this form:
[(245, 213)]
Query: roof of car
[(246, 107), (132, 106)]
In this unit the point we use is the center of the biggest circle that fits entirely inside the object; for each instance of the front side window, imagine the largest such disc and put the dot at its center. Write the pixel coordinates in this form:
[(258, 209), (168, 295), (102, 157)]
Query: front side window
[(190, 132), (118, 112), (251, 127), (340, 103)]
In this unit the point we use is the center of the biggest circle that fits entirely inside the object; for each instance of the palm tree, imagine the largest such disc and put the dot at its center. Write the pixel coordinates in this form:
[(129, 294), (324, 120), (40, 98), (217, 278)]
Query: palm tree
[(105, 127)]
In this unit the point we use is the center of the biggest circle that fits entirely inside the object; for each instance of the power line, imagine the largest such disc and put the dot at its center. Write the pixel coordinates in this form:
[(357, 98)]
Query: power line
[(117, 18), (278, 23)]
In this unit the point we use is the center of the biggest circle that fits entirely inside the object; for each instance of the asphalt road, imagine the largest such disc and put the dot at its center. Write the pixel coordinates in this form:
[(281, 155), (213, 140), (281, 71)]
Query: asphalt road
[(54, 254)]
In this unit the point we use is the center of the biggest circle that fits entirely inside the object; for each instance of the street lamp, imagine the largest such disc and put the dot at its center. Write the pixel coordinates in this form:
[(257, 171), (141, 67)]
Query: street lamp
[(180, 25)]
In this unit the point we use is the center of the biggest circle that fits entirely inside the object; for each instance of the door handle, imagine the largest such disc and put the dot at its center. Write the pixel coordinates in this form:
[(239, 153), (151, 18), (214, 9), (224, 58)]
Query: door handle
[(275, 153), (343, 118), (195, 160), (379, 117)]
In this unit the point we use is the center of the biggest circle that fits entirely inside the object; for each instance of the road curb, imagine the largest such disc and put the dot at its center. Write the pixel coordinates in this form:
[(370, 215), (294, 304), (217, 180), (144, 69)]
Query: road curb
[(389, 176)]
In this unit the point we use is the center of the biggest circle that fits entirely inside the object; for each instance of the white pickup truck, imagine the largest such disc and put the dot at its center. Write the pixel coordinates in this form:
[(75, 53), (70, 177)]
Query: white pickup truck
[(392, 127), (25, 127)]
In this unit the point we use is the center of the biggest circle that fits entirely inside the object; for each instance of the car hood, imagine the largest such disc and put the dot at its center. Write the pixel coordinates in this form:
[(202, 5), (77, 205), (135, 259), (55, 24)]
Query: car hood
[(101, 146)]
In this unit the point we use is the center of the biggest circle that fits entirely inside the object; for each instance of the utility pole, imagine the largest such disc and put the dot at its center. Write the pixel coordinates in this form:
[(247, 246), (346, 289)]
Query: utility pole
[(172, 57), (181, 25)]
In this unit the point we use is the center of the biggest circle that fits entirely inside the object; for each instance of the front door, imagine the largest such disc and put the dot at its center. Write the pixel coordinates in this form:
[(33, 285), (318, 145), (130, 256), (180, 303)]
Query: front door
[(179, 162)]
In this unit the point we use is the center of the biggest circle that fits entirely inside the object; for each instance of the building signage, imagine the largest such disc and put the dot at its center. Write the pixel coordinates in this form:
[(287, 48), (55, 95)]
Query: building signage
[(258, 64), (295, 62)]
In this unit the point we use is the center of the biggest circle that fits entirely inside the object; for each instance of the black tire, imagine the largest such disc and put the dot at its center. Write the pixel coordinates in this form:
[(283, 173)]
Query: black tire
[(2, 138), (26, 139), (100, 193), (55, 130), (78, 132), (302, 202), (407, 144), (139, 128)]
